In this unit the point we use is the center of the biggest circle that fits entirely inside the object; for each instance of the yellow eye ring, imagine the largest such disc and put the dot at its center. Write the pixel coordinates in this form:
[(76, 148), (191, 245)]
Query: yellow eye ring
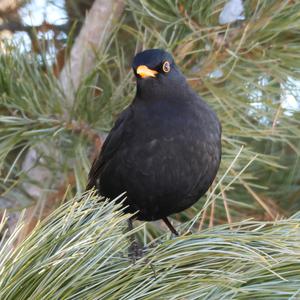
[(166, 67)]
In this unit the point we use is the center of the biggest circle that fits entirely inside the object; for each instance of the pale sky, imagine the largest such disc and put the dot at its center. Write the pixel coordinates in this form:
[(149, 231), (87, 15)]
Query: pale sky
[(35, 12)]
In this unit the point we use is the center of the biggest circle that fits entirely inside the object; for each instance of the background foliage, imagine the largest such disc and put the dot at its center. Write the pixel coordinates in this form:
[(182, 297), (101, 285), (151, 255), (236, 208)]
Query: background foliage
[(248, 71), (245, 71)]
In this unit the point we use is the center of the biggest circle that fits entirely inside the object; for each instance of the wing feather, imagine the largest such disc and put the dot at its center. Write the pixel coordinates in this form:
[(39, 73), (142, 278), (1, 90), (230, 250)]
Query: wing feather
[(112, 143)]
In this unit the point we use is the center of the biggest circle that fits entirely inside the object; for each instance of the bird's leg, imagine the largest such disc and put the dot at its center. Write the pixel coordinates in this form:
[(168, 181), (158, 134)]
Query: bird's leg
[(135, 250), (167, 222)]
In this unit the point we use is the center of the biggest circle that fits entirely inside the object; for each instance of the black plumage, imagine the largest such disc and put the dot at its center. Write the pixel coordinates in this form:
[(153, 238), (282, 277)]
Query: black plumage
[(165, 149)]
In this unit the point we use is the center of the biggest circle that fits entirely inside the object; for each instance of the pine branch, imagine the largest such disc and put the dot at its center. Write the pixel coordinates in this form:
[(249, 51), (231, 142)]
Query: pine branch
[(81, 252)]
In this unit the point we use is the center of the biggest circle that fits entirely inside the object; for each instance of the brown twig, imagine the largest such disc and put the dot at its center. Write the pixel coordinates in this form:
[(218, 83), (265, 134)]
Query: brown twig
[(226, 206), (256, 197), (202, 219), (212, 214)]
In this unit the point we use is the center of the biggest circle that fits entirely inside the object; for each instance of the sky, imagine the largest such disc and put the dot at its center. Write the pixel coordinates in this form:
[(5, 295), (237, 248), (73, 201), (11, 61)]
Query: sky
[(35, 12)]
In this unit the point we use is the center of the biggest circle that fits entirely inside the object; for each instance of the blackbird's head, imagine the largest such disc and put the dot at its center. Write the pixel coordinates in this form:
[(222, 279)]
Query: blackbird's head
[(156, 72)]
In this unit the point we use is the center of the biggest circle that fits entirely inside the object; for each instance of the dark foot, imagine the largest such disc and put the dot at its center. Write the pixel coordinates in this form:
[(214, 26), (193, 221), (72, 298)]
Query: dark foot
[(170, 226), (135, 251)]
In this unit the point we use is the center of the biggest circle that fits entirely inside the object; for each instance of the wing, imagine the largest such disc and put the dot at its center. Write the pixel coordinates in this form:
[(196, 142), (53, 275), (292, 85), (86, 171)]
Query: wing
[(112, 143)]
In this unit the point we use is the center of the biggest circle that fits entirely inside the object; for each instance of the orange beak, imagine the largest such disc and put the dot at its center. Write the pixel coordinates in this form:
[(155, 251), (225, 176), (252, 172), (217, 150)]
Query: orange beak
[(145, 72)]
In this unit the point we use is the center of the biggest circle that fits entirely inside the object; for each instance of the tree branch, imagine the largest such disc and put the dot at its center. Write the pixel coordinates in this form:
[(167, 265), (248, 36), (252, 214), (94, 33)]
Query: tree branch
[(93, 34)]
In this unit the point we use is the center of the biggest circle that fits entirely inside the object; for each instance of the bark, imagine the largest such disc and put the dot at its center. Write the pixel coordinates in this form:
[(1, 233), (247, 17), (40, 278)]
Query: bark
[(97, 26)]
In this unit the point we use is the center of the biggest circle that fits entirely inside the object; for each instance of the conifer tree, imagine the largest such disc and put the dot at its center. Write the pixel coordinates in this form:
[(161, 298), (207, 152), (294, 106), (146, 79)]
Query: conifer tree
[(55, 114)]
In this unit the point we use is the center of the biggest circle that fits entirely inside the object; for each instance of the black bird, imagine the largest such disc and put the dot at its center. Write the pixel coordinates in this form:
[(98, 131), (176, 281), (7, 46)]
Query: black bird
[(165, 148)]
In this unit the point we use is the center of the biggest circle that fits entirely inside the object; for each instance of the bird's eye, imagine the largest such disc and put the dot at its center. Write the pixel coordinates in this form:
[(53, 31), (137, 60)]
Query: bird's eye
[(166, 67)]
